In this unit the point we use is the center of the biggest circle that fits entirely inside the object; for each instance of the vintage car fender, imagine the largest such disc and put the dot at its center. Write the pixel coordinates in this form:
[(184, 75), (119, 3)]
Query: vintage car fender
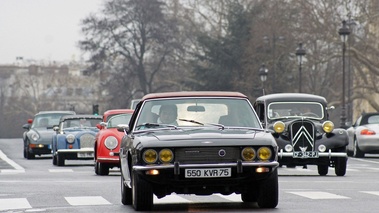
[(100, 148)]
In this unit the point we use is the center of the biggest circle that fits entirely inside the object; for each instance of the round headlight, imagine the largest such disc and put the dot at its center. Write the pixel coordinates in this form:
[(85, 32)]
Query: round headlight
[(322, 148), (35, 136), (288, 148), (166, 156), (248, 154), (150, 156), (70, 138), (328, 126), (264, 153), (111, 142), (279, 126)]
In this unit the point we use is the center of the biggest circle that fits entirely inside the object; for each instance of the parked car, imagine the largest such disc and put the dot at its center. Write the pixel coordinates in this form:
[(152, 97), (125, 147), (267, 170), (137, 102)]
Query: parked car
[(74, 138), (301, 127), (108, 139), (177, 143), (39, 132), (364, 135)]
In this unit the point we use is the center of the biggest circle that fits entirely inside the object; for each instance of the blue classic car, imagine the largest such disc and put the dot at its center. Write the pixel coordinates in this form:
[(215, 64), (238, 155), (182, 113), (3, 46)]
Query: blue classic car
[(39, 132), (75, 138)]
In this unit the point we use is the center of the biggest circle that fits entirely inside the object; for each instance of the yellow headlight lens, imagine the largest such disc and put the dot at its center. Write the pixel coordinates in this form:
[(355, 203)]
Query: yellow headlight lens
[(150, 156), (328, 126), (248, 154), (279, 126), (264, 153), (166, 155)]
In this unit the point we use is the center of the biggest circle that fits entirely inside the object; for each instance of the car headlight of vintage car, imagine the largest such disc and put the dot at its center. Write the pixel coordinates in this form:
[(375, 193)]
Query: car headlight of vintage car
[(34, 136), (248, 154), (166, 155), (328, 126), (150, 156), (264, 153), (70, 138), (111, 142), (279, 126)]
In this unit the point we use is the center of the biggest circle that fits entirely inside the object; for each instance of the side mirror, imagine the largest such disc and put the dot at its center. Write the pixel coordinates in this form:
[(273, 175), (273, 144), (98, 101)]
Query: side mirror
[(56, 128), (26, 126), (123, 128)]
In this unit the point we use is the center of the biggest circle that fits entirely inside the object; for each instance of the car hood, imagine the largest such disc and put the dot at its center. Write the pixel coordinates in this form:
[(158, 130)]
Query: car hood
[(201, 137), (43, 132)]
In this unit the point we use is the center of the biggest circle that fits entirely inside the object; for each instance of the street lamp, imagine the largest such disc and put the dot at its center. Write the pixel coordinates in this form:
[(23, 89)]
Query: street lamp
[(300, 52), (263, 71), (344, 32)]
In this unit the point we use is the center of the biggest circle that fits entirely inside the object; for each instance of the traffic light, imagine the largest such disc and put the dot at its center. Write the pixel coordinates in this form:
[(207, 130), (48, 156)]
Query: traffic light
[(95, 109)]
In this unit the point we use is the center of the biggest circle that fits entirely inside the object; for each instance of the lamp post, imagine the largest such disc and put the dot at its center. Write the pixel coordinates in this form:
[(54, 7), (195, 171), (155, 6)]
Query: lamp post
[(344, 32), (263, 71), (272, 46), (300, 52)]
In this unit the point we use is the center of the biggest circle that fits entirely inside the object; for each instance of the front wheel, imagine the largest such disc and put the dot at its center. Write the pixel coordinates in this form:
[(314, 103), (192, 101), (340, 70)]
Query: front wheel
[(269, 192), (101, 169), (60, 160), (340, 166), (126, 193), (142, 194), (322, 169)]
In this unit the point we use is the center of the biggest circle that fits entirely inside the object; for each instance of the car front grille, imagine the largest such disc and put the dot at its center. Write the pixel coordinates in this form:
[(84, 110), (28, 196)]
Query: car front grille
[(87, 141), (207, 154), (303, 136)]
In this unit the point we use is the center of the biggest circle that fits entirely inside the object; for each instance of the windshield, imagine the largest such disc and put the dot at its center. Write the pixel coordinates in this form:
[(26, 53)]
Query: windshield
[(295, 109), (46, 120), (118, 119), (80, 123), (185, 112)]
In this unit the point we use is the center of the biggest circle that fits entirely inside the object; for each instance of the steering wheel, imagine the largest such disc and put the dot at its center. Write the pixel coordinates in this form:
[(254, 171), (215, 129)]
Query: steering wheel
[(310, 114)]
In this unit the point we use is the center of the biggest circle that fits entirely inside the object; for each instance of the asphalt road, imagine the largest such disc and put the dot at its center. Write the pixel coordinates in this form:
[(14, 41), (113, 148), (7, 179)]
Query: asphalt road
[(38, 186)]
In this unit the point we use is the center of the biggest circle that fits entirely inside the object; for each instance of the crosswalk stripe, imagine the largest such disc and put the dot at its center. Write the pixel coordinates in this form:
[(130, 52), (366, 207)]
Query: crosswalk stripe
[(14, 203), (316, 195), (371, 192), (60, 170), (87, 200), (173, 198)]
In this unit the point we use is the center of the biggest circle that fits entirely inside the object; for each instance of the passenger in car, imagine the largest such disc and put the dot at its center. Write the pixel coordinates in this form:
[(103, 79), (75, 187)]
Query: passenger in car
[(168, 114)]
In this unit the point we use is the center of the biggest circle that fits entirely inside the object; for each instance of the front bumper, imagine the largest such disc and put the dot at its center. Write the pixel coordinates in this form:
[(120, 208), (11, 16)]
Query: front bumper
[(329, 154), (84, 153)]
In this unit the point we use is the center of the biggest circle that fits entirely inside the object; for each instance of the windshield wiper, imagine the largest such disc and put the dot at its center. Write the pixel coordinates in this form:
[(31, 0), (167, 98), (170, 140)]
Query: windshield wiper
[(191, 121), (154, 125)]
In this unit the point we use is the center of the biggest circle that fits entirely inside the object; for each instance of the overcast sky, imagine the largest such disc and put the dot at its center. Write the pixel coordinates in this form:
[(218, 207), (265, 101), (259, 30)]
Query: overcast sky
[(42, 29)]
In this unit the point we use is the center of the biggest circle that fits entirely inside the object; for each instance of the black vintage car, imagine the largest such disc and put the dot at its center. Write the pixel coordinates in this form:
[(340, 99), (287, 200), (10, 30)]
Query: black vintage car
[(197, 143), (299, 122)]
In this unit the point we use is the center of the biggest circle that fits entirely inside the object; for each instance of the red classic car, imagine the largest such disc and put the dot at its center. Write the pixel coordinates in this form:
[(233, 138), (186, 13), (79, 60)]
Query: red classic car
[(107, 144)]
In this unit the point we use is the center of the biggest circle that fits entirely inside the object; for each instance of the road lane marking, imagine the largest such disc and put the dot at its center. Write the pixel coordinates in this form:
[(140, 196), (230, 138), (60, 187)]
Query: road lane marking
[(10, 162), (60, 170), (317, 195), (14, 203), (371, 192), (87, 201), (173, 198)]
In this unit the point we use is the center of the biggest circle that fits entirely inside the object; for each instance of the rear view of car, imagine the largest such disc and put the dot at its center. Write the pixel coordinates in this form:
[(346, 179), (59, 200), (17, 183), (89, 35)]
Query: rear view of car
[(39, 132)]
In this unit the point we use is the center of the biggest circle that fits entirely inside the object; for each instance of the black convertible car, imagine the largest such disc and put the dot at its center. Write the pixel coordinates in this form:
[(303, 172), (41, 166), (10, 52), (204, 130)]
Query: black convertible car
[(197, 143), (299, 122)]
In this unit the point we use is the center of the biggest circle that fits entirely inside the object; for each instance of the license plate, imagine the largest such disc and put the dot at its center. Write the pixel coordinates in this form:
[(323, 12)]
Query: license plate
[(208, 173), (85, 155), (307, 154)]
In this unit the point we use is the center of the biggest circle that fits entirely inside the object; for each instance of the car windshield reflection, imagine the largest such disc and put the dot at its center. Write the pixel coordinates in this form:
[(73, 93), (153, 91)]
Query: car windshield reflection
[(279, 110)]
